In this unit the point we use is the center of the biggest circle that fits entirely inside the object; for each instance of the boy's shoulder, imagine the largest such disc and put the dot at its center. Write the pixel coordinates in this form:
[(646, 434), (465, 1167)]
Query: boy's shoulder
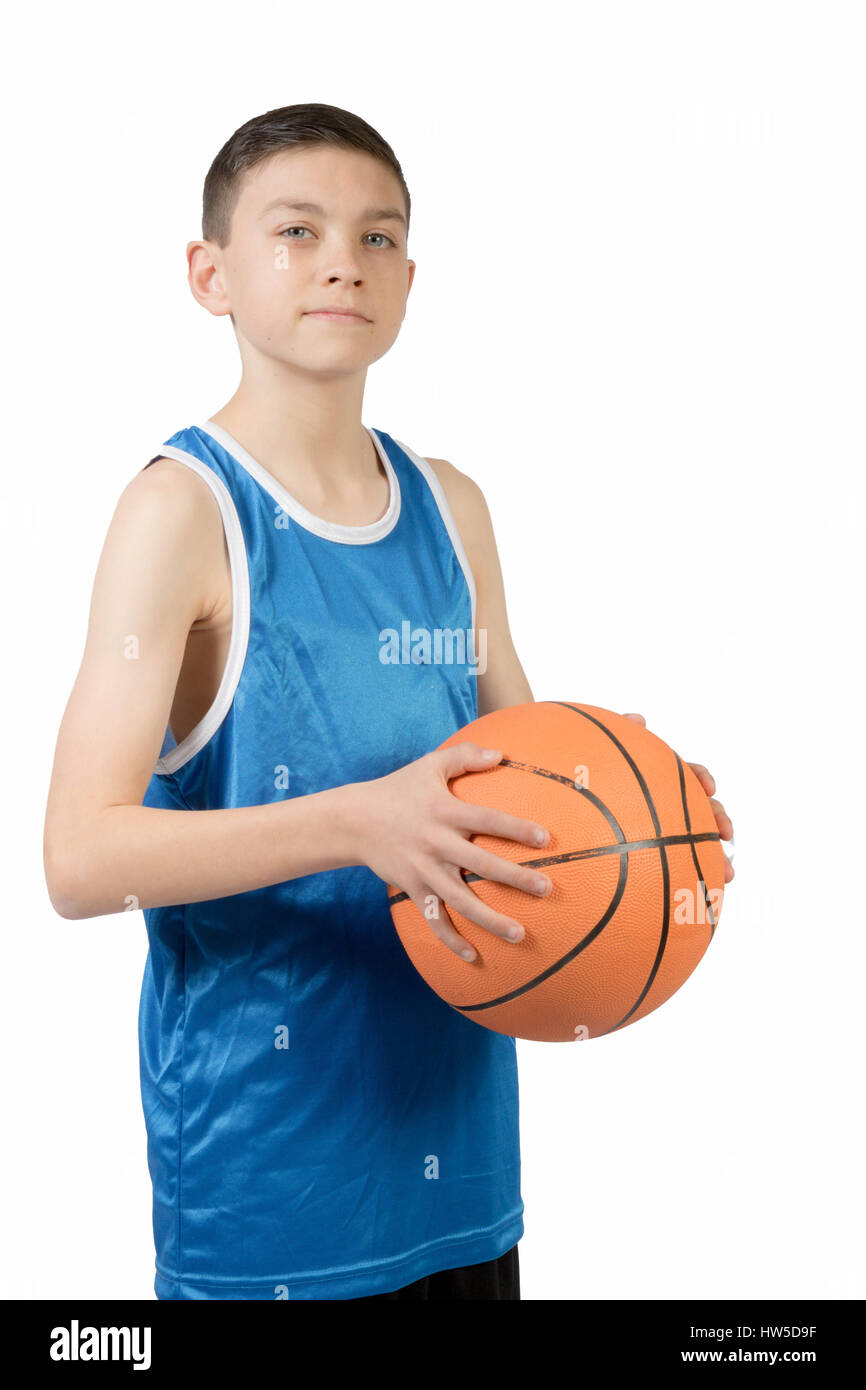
[(174, 498), (461, 491), (470, 512)]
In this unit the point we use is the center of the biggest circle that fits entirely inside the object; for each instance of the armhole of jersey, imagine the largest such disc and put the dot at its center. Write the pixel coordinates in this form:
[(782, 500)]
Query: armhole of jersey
[(207, 726), (442, 502)]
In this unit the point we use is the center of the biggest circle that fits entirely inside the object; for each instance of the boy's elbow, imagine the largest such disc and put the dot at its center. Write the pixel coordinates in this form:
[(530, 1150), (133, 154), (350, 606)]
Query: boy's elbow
[(67, 907), (64, 905), (62, 893), (64, 902)]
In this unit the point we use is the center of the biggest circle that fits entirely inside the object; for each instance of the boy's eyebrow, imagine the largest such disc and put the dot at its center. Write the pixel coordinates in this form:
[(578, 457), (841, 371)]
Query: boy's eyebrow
[(376, 214)]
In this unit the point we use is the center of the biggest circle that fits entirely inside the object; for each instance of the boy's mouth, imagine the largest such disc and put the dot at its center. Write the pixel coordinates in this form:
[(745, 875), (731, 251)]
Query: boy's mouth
[(350, 315)]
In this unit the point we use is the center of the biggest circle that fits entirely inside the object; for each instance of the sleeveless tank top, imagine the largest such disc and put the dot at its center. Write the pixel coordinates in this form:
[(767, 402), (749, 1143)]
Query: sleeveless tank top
[(320, 1124)]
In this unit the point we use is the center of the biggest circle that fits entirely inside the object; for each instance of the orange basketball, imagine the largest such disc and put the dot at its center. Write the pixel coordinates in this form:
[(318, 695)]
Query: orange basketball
[(636, 863)]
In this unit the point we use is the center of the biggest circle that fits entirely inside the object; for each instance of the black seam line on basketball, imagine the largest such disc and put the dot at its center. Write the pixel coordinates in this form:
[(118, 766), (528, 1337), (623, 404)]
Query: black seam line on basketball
[(598, 850), (666, 878), (558, 964), (625, 753), (570, 783), (697, 863), (574, 855)]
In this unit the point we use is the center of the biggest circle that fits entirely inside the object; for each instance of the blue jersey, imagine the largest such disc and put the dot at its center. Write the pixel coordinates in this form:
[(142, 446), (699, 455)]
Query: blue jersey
[(320, 1123)]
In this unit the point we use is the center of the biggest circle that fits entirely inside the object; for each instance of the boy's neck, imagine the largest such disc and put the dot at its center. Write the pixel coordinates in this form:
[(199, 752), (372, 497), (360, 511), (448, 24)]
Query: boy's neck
[(332, 465)]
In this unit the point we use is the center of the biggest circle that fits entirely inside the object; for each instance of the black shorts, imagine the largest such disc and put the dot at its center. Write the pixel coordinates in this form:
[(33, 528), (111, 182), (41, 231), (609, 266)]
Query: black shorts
[(498, 1278)]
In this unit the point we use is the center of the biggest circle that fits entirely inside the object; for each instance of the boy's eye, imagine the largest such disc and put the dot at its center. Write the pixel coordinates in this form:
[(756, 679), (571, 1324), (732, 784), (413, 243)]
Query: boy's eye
[(383, 236), (286, 230)]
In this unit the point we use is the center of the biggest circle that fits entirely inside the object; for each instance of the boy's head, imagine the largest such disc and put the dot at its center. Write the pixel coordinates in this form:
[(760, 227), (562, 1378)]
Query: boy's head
[(305, 207)]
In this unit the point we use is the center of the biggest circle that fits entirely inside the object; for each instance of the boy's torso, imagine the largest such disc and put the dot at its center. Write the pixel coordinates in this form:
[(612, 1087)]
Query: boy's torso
[(208, 640)]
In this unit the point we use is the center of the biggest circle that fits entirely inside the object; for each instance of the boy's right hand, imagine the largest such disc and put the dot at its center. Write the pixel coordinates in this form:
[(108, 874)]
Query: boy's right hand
[(415, 835)]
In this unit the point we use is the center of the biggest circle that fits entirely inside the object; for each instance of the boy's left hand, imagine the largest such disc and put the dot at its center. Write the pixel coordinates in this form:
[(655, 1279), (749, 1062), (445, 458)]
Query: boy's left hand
[(707, 781)]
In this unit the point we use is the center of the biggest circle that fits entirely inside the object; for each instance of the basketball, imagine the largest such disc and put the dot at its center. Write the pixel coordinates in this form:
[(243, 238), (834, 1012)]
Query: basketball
[(636, 863)]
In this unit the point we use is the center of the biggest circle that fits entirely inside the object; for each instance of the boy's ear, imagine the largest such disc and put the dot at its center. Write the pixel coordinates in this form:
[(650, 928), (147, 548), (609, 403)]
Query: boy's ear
[(204, 277)]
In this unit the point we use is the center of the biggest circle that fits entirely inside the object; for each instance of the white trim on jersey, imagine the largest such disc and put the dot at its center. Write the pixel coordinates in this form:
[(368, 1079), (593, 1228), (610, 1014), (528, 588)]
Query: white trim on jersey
[(238, 563), (329, 530), (442, 502)]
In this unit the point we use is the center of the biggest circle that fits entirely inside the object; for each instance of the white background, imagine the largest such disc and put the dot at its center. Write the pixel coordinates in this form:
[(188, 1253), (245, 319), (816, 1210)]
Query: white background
[(638, 322)]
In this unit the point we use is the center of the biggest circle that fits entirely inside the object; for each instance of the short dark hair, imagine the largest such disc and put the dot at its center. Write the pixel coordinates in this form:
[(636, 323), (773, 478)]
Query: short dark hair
[(308, 123)]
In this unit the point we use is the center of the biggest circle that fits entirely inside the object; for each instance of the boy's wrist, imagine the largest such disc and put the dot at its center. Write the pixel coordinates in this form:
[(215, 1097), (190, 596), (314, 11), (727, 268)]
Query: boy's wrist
[(347, 820)]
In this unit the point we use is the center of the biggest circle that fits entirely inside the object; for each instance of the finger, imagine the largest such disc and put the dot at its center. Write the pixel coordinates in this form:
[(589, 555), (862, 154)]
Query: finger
[(433, 910), (637, 717), (729, 862), (494, 867), (723, 820), (451, 888), (704, 776), (491, 820), (466, 757)]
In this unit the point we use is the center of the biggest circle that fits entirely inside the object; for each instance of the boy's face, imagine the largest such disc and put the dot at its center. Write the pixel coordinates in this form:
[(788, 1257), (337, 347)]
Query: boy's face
[(284, 262)]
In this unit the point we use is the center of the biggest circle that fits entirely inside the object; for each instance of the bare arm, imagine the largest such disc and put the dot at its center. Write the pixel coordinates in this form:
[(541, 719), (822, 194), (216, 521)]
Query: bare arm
[(504, 682), (103, 850)]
